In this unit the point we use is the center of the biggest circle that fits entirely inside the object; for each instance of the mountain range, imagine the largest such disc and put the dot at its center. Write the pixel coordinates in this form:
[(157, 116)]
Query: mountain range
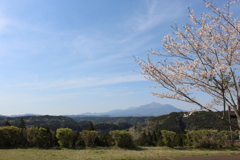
[(152, 109)]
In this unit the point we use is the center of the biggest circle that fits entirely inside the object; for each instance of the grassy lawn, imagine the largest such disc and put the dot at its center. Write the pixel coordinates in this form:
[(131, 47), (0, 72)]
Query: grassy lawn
[(106, 153)]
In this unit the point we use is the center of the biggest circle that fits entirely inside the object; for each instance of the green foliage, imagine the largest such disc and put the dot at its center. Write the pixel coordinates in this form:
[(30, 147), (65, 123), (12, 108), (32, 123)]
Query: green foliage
[(54, 139), (22, 124), (168, 138), (39, 137), (145, 140), (105, 128), (203, 138), (6, 124), (90, 127), (154, 138), (115, 120), (122, 139), (105, 140), (142, 140), (180, 140), (89, 137), (9, 136), (80, 142), (65, 137), (176, 123), (23, 137), (160, 139), (75, 138), (226, 138)]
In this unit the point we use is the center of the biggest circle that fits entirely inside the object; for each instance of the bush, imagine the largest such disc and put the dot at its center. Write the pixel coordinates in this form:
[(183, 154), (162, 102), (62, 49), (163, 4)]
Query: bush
[(227, 138), (122, 139), (89, 136), (104, 141), (65, 137), (168, 138), (9, 136), (39, 137), (144, 140), (203, 138), (180, 140)]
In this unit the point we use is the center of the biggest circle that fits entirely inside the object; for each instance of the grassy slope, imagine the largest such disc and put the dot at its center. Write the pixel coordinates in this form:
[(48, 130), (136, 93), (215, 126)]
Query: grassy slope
[(105, 153)]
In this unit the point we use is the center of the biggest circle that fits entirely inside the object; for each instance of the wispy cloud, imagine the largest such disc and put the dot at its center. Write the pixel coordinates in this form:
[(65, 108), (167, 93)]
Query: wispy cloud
[(82, 82), (151, 14)]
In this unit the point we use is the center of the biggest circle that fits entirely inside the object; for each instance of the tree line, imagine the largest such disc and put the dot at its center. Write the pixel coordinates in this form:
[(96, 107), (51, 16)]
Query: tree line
[(35, 136), (55, 122)]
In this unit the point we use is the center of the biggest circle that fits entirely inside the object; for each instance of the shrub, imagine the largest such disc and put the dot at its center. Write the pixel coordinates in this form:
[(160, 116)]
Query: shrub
[(180, 140), (168, 138), (226, 138), (105, 141), (203, 138), (65, 137), (122, 139), (39, 137), (89, 137), (9, 136)]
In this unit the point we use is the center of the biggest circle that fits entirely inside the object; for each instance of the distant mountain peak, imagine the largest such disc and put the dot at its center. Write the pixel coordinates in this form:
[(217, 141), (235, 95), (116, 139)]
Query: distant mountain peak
[(152, 109)]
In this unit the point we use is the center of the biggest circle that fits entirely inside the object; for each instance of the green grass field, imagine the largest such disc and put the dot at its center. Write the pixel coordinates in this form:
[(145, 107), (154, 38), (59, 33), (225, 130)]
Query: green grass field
[(106, 153)]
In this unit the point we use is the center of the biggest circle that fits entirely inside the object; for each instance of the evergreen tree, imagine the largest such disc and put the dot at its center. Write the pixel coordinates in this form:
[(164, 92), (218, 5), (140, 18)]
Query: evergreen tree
[(6, 123), (22, 133), (143, 141), (90, 127), (150, 139), (49, 138), (22, 124), (160, 139), (154, 138)]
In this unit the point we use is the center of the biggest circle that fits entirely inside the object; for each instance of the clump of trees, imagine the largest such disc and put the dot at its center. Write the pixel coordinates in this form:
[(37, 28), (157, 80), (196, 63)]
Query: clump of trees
[(192, 139)]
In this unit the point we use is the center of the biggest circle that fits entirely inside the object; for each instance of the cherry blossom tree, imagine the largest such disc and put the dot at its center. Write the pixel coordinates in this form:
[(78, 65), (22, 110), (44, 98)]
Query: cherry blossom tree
[(202, 57)]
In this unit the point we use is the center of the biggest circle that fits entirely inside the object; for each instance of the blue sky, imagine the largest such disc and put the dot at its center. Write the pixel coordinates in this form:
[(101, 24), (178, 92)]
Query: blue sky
[(76, 56)]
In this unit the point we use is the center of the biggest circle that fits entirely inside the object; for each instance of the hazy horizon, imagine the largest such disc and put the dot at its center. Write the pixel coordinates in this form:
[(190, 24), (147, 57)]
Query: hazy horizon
[(86, 113)]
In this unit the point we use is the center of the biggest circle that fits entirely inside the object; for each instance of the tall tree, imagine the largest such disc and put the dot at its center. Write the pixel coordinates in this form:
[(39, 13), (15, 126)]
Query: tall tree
[(205, 58), (22, 124), (90, 127)]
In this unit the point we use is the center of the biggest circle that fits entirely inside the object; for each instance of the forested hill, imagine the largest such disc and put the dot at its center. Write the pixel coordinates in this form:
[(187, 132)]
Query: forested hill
[(115, 120), (177, 123), (101, 124), (172, 122), (53, 122)]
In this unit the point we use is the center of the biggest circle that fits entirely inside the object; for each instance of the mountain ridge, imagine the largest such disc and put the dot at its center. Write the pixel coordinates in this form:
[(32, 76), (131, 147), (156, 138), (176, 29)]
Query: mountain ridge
[(151, 109)]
